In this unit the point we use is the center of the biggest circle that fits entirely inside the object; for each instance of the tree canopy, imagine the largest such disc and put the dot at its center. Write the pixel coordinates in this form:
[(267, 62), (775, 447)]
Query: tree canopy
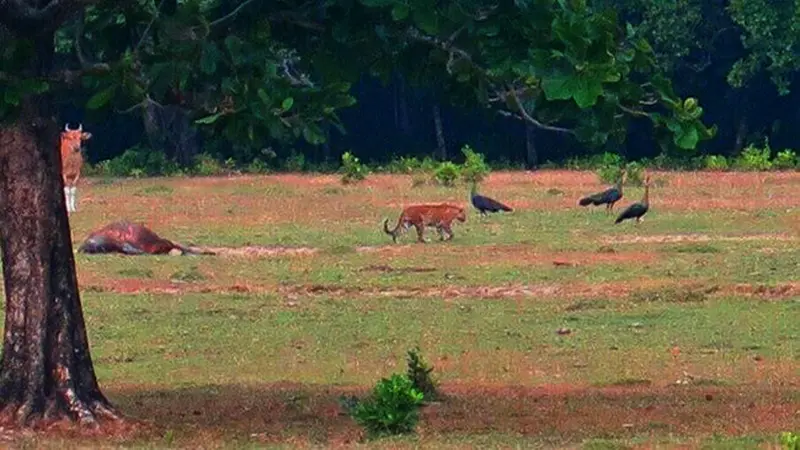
[(251, 74)]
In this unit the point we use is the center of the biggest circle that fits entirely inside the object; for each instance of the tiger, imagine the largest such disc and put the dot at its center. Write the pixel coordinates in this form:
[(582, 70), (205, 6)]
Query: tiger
[(439, 215)]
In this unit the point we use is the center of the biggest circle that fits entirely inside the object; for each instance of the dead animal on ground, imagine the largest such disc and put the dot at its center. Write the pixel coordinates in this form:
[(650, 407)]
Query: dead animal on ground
[(132, 239), (439, 215)]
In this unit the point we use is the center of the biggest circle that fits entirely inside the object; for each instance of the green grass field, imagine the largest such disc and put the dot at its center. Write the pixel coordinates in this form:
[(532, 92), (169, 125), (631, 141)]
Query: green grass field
[(683, 330)]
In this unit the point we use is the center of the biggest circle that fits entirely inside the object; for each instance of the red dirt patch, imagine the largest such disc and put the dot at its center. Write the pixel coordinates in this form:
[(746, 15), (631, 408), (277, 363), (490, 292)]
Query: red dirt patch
[(260, 251), (695, 237), (529, 254), (619, 290), (305, 415)]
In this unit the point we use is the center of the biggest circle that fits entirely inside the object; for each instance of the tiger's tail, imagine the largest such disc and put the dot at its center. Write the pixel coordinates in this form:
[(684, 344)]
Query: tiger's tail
[(392, 233)]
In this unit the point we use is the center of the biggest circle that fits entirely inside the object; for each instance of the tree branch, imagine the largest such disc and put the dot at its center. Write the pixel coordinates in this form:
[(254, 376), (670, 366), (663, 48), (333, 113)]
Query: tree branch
[(149, 25), (25, 19), (84, 62), (530, 119), (633, 112), (456, 54), (230, 15)]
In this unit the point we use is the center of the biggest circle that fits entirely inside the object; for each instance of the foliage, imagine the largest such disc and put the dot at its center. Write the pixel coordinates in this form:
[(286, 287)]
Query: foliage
[(393, 407), (785, 159), (715, 162), (790, 441), (352, 168), (771, 33), (420, 375), (548, 63), (447, 173), (754, 158), (257, 166), (610, 169), (138, 161), (404, 164), (295, 162), (207, 166), (474, 169)]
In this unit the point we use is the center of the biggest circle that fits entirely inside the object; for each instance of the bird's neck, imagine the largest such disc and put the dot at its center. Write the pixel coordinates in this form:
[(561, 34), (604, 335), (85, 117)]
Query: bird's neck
[(646, 198)]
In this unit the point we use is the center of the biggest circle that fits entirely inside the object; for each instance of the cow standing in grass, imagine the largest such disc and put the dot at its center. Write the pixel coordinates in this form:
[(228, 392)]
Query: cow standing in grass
[(72, 162)]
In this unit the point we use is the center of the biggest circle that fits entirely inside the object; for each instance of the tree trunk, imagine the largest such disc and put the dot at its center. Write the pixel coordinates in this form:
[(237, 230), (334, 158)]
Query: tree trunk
[(441, 145), (46, 371), (741, 135), (531, 156)]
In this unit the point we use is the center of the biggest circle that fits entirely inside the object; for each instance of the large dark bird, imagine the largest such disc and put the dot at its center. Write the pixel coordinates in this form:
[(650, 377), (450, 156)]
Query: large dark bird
[(638, 209), (484, 204), (607, 197), (131, 239)]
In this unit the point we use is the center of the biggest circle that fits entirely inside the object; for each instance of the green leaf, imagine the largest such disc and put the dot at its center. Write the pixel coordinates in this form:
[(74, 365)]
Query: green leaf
[(208, 119), (235, 48), (11, 97), (313, 134), (262, 94), (376, 3), (101, 98), (427, 20), (209, 58), (688, 138), (559, 87), (588, 89), (287, 103), (400, 12)]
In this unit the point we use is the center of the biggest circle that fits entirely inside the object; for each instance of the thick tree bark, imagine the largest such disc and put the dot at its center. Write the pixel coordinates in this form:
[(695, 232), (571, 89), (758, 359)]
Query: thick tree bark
[(441, 144), (531, 155), (46, 371)]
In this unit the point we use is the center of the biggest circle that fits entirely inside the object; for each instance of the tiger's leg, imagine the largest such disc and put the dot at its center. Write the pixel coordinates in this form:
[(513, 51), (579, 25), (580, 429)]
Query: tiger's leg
[(420, 230), (440, 230), (449, 231)]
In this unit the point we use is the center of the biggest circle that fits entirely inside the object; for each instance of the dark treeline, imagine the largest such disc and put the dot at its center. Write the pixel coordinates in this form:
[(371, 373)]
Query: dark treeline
[(706, 47)]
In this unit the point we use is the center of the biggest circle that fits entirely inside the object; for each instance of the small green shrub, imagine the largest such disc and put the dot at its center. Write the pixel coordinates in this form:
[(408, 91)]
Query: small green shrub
[(716, 163), (609, 174), (790, 441), (206, 165), (404, 164), (634, 174), (393, 407), (594, 161), (295, 162), (419, 372), (754, 158), (138, 161), (785, 159), (353, 170), (475, 168), (447, 173), (257, 166)]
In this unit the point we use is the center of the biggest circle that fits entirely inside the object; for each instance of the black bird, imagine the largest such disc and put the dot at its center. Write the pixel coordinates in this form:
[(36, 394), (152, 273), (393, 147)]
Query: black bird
[(484, 204), (638, 209), (607, 197)]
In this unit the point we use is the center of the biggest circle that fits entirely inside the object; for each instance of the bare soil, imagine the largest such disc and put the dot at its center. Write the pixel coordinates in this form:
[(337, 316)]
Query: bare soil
[(303, 415)]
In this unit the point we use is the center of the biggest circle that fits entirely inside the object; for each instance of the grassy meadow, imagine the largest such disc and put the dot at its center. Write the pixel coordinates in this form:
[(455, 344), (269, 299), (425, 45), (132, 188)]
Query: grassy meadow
[(681, 331)]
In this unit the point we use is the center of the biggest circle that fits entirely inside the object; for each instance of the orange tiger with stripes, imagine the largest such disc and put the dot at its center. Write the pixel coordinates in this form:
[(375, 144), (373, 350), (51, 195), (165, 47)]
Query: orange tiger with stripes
[(439, 215)]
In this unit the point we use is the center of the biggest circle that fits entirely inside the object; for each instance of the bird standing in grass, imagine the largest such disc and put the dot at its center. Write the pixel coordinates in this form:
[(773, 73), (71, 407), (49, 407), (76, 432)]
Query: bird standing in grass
[(607, 197), (484, 204), (638, 209)]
